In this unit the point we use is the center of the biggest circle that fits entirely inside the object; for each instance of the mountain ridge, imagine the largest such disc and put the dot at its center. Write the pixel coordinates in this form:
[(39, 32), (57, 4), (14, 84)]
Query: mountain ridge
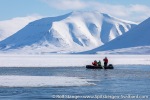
[(75, 30), (137, 37)]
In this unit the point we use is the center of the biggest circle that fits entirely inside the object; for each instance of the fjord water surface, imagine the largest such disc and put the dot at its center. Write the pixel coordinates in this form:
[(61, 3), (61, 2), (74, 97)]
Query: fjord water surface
[(127, 82)]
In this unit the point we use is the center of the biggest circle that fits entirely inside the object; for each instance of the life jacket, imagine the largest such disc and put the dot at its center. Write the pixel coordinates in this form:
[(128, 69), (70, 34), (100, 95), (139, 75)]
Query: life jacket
[(105, 60), (94, 63)]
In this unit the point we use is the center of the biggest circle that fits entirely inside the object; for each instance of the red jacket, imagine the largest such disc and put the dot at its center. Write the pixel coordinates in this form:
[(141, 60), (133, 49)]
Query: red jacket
[(94, 63), (105, 60)]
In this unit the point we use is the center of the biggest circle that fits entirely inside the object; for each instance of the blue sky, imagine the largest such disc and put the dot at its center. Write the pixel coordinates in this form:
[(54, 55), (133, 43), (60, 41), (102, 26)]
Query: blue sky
[(134, 10)]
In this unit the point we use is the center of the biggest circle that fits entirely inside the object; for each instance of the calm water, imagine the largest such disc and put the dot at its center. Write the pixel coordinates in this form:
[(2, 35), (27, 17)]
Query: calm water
[(122, 83)]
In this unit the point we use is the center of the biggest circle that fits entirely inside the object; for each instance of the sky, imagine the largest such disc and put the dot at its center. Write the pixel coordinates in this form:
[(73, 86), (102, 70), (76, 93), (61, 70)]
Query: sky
[(133, 10)]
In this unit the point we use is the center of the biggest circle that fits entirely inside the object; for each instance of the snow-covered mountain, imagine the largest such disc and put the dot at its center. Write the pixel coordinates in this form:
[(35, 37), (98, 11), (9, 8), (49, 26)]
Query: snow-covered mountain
[(135, 41), (144, 50), (73, 32), (9, 27)]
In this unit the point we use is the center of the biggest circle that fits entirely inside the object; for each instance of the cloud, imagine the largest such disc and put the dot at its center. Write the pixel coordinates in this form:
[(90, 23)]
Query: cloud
[(66, 4), (129, 12), (136, 13), (139, 12), (140, 8)]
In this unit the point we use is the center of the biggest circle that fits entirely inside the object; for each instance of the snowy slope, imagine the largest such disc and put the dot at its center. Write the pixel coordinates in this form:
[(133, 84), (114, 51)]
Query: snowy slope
[(9, 27), (73, 32), (134, 41)]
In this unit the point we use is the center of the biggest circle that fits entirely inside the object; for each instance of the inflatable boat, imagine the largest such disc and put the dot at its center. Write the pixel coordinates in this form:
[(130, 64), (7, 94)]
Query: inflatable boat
[(110, 66)]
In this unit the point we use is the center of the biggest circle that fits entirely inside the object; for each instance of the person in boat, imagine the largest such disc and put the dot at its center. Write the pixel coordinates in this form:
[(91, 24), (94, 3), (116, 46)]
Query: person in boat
[(105, 61), (94, 63), (99, 63)]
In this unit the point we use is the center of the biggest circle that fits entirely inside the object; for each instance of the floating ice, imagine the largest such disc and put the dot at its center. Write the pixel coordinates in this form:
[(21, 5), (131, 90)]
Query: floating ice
[(42, 81)]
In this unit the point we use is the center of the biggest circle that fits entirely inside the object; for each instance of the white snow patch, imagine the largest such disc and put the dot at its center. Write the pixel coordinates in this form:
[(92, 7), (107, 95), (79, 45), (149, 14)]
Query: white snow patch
[(42, 81)]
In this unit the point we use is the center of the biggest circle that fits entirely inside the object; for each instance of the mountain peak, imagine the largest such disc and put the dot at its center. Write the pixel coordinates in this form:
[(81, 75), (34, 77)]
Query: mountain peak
[(86, 13)]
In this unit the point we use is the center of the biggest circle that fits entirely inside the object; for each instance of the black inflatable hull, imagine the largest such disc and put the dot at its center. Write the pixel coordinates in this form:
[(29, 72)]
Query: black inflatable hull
[(110, 66)]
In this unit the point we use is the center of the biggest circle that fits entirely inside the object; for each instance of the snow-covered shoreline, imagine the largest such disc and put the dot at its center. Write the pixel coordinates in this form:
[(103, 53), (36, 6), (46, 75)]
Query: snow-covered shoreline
[(68, 60)]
